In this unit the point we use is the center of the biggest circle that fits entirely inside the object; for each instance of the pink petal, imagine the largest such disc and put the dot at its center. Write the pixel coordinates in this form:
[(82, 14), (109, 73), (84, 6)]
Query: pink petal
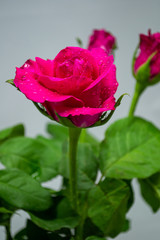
[(34, 91), (71, 85), (104, 87), (45, 66)]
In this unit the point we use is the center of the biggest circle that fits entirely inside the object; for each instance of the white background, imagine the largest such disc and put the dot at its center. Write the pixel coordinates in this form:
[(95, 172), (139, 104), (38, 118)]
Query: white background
[(42, 28)]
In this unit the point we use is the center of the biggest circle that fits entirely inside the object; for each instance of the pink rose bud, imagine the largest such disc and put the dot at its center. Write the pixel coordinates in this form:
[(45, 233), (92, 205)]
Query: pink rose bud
[(78, 85), (146, 62), (102, 39)]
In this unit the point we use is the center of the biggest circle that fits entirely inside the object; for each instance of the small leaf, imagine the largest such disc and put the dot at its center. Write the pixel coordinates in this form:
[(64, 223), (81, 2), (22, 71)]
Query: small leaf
[(130, 149), (150, 190), (107, 204), (11, 132), (21, 191), (55, 224)]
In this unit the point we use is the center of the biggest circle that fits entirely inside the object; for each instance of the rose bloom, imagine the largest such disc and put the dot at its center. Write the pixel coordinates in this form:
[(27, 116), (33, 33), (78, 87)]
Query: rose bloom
[(78, 84), (102, 39), (148, 45)]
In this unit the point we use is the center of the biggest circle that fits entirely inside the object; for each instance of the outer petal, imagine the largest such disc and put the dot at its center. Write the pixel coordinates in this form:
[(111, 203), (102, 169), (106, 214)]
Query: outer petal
[(25, 80), (65, 109), (103, 88), (84, 116)]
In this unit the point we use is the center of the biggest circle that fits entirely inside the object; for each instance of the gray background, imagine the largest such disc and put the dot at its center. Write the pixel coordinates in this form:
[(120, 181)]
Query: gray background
[(42, 28)]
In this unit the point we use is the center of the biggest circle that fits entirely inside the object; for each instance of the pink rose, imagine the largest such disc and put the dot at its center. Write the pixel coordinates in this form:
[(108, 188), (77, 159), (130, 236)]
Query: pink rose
[(102, 39), (148, 45), (78, 84)]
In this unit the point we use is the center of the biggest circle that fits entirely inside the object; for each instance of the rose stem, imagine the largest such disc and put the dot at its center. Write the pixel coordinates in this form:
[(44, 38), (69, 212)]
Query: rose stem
[(139, 88), (8, 235), (74, 134)]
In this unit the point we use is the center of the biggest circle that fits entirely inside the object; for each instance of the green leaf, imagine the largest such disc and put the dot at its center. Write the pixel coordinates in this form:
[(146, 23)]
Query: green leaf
[(33, 232), (131, 149), (58, 132), (90, 229), (37, 157), (86, 165), (21, 191), (95, 238), (55, 224), (11, 132), (150, 190), (107, 206), (5, 210)]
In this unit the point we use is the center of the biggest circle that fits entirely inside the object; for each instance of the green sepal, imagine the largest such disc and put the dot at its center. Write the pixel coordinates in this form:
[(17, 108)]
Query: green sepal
[(11, 81), (144, 72), (65, 121), (104, 119), (42, 110)]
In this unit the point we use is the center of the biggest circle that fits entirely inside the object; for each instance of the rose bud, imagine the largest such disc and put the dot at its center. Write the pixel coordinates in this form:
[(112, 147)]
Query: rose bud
[(75, 88), (102, 39), (146, 60)]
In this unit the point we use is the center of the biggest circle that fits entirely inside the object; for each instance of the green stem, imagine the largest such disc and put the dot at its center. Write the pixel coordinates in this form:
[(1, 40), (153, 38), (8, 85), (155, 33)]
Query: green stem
[(79, 229), (139, 88), (74, 134), (8, 235)]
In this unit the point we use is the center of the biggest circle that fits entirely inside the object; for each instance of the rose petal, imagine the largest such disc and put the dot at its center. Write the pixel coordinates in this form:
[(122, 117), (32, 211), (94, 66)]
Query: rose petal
[(104, 87), (71, 85), (45, 66), (84, 121), (34, 91), (72, 54)]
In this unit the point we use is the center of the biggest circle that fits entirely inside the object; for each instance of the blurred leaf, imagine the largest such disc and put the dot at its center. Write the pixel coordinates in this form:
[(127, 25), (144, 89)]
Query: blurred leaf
[(38, 157), (21, 191), (58, 132), (86, 165), (55, 224), (131, 149), (90, 229), (86, 137), (150, 190), (108, 204), (33, 232), (5, 210), (95, 238), (11, 132)]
